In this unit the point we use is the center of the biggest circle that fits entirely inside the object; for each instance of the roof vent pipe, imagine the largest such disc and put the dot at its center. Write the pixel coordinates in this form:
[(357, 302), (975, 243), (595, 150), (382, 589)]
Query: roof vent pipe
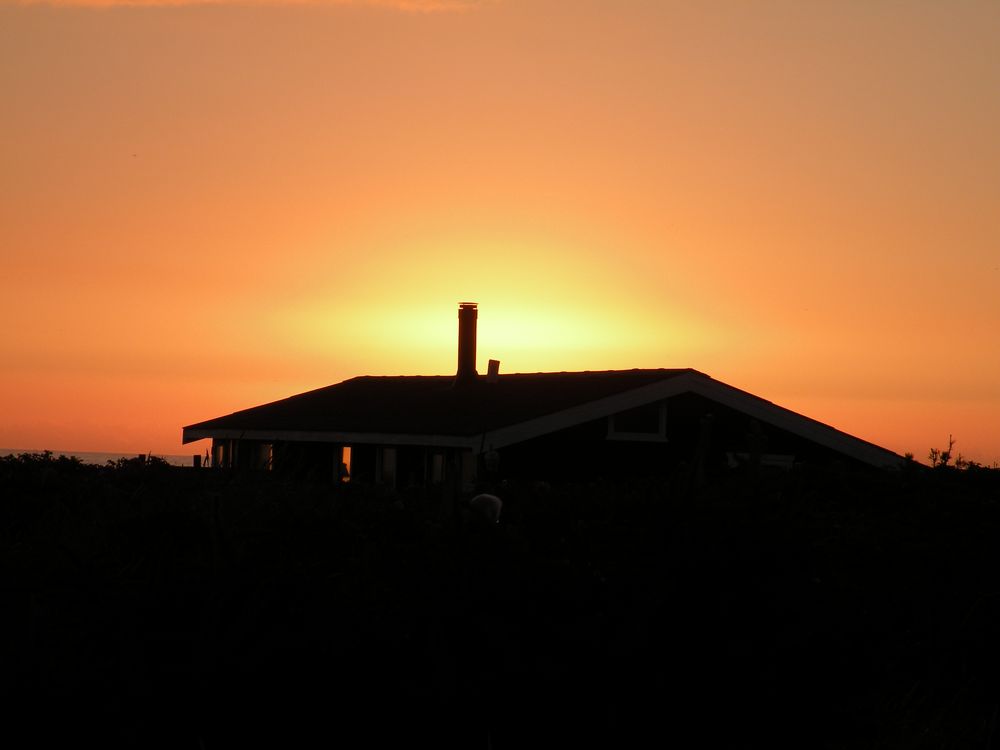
[(493, 371), (467, 316)]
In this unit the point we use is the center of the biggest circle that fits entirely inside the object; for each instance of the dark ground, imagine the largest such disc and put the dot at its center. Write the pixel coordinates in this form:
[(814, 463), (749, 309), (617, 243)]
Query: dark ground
[(151, 606)]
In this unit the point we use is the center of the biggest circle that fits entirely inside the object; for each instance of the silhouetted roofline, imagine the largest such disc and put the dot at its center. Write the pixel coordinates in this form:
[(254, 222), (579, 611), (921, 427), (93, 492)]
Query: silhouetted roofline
[(519, 407), (427, 404)]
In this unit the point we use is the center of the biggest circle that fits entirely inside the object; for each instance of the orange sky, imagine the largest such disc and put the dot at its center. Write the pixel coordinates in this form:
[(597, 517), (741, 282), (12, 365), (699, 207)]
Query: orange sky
[(209, 206)]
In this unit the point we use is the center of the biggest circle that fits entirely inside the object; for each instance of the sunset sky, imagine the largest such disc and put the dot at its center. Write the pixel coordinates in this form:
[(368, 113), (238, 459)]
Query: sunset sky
[(206, 206)]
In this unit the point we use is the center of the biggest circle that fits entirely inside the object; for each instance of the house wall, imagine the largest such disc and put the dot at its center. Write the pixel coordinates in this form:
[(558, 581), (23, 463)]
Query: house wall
[(307, 460), (684, 430), (410, 466), (582, 452), (314, 461), (697, 426), (240, 454), (694, 431), (397, 467)]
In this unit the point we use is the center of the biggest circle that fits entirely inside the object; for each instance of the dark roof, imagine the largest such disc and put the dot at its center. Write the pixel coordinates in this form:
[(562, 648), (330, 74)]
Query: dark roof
[(433, 405)]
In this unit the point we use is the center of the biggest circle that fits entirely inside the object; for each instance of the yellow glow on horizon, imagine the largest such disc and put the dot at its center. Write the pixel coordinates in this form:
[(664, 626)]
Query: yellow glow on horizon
[(543, 305)]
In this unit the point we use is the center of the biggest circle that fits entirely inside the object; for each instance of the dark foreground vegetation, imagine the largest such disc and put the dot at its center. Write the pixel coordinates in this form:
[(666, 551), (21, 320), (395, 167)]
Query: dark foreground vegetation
[(155, 606)]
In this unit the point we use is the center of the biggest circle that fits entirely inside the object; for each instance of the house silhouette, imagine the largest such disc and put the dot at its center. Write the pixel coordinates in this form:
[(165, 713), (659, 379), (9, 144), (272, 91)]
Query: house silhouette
[(426, 430)]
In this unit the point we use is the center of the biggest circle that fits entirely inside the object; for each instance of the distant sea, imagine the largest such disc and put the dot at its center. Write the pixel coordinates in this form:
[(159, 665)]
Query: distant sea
[(91, 457)]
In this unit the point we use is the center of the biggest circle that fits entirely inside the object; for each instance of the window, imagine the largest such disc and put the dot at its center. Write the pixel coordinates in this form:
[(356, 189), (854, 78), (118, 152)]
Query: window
[(646, 422), (344, 467)]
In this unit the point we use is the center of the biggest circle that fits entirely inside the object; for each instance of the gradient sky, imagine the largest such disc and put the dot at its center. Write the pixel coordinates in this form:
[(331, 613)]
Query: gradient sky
[(209, 206)]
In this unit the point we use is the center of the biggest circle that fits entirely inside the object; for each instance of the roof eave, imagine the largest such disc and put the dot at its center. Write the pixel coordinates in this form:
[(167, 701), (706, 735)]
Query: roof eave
[(195, 432)]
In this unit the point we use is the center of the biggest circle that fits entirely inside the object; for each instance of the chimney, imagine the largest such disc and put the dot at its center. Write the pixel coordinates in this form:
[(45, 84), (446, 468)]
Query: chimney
[(493, 371), (467, 316)]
